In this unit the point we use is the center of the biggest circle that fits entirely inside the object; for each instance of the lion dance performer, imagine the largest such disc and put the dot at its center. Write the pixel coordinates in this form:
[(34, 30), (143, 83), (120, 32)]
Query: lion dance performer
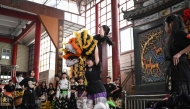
[(72, 103), (63, 93), (29, 96), (83, 49), (102, 37), (95, 89), (81, 93)]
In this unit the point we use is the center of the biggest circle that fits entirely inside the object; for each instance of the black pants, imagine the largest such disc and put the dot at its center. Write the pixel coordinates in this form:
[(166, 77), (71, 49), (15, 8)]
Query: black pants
[(62, 103), (72, 101), (29, 99), (175, 102)]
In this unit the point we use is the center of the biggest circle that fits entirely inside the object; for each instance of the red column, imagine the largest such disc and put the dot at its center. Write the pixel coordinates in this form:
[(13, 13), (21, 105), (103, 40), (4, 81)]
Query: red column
[(115, 38), (14, 58), (37, 50), (102, 48), (104, 60), (97, 18)]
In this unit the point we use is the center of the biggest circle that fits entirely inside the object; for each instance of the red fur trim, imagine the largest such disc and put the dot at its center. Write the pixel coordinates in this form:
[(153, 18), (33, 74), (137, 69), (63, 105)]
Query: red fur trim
[(188, 36)]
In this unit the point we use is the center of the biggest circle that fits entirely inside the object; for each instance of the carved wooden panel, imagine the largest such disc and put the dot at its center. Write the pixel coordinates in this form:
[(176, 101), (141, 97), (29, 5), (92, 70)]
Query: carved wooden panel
[(152, 56)]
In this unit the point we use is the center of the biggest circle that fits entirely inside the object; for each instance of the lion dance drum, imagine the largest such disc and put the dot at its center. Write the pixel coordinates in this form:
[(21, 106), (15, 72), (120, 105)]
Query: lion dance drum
[(18, 97), (6, 101)]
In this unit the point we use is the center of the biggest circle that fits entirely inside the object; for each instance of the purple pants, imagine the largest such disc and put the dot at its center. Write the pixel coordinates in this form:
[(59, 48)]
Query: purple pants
[(98, 97)]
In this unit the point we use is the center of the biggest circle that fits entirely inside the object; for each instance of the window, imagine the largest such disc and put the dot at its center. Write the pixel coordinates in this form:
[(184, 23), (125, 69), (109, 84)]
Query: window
[(6, 53), (109, 50), (74, 18), (126, 38), (105, 13), (105, 18), (31, 57), (47, 54), (126, 5), (90, 20)]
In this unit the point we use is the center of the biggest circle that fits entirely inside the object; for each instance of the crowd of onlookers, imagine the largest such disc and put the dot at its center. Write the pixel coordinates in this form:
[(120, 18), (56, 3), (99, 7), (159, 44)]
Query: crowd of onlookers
[(77, 88)]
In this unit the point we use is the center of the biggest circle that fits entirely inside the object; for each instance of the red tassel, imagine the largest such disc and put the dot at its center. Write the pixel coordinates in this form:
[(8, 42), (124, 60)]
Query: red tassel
[(188, 36)]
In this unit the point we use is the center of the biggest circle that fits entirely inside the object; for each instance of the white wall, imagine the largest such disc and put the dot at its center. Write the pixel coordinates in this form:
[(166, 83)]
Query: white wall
[(47, 76), (6, 46), (22, 58)]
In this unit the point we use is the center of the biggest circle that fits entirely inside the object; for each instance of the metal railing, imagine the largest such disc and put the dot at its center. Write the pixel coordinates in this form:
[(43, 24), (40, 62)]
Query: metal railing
[(124, 83), (130, 73), (140, 101)]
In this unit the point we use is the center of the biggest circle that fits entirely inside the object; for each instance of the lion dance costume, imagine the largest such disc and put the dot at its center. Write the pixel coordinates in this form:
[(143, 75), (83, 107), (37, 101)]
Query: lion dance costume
[(75, 52)]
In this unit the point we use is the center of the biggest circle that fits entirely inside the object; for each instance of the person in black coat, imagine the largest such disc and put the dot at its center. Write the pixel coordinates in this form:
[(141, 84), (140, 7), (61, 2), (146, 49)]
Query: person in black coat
[(177, 45), (102, 37)]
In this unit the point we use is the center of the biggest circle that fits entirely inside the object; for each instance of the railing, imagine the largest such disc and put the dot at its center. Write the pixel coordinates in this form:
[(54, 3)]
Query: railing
[(124, 83), (6, 71), (140, 101), (130, 72)]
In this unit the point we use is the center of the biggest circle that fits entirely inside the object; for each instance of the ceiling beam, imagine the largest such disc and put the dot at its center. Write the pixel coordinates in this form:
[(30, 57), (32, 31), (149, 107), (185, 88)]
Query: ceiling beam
[(36, 8), (24, 32), (6, 40), (45, 2), (9, 24), (17, 14)]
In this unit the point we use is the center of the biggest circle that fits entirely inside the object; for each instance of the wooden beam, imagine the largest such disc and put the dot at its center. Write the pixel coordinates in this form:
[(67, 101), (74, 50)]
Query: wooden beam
[(24, 32), (17, 14), (36, 8), (51, 26), (6, 40)]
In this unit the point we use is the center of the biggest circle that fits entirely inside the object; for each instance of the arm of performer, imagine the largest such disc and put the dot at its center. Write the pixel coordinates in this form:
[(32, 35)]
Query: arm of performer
[(17, 83), (5, 88), (83, 94), (101, 31), (69, 91), (17, 79), (58, 91), (75, 93), (46, 95), (178, 55), (22, 83), (96, 55), (114, 90)]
